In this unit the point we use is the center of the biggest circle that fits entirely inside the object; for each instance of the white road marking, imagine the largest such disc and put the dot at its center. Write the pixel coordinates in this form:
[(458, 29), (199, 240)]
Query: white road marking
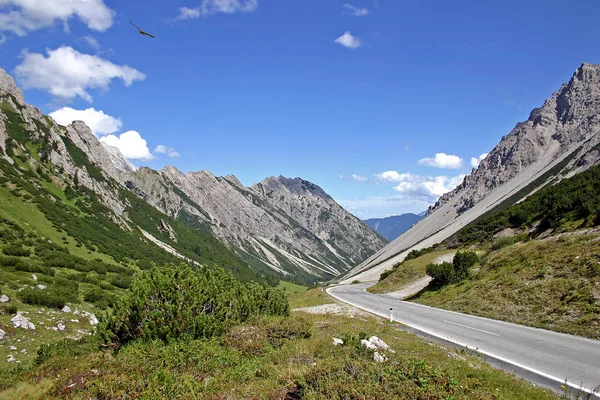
[(469, 327)]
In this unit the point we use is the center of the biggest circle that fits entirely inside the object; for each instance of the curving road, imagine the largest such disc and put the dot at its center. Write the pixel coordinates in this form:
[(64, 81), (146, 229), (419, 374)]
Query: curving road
[(546, 357)]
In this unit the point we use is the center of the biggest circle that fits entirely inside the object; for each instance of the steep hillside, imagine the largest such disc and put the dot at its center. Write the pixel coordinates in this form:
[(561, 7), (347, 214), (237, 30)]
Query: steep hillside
[(394, 226), (558, 140), (290, 226)]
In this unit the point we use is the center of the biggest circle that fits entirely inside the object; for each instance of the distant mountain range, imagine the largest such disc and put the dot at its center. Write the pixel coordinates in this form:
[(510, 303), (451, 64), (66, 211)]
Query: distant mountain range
[(558, 140), (282, 227), (394, 226)]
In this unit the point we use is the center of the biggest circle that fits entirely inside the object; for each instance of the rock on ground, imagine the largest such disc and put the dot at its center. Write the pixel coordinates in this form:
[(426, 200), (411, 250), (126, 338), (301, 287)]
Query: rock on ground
[(4, 299), (20, 321), (337, 342)]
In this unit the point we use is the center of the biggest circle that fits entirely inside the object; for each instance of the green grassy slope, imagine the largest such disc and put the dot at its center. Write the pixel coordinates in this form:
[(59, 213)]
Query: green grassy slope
[(552, 284)]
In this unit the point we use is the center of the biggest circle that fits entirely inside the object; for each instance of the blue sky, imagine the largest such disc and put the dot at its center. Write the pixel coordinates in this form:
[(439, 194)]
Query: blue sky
[(357, 96)]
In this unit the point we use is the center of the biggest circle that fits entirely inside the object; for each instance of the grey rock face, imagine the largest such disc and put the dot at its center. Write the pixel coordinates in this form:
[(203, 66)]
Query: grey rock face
[(7, 84), (558, 140), (289, 225)]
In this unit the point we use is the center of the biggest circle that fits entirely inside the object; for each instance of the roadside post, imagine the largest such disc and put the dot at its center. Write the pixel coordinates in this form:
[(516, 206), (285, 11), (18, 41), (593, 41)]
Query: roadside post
[(391, 315)]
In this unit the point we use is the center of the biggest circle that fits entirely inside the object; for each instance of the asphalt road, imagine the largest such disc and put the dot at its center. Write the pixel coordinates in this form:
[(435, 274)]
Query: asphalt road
[(553, 356)]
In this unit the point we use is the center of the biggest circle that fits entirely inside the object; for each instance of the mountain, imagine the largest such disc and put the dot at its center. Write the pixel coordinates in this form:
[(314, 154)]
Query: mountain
[(279, 227), (290, 226), (558, 140), (394, 226)]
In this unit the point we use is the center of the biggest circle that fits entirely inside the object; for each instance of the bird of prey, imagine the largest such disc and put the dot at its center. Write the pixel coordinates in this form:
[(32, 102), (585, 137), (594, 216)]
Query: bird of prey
[(142, 32)]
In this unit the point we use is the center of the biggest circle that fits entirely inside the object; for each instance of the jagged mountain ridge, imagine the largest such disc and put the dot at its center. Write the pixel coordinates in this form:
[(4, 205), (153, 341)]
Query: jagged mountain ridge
[(558, 140), (289, 226), (392, 227)]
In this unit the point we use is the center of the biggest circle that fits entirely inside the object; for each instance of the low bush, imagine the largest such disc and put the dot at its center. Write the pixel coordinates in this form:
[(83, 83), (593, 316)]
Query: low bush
[(446, 273), (184, 302), (16, 251)]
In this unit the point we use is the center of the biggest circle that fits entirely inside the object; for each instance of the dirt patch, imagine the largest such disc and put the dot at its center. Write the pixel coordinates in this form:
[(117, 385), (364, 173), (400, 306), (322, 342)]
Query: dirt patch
[(411, 289), (334, 309)]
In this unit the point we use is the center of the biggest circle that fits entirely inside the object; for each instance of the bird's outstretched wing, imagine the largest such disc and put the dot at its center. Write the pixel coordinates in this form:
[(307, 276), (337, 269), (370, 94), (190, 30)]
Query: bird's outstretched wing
[(137, 27), (147, 34)]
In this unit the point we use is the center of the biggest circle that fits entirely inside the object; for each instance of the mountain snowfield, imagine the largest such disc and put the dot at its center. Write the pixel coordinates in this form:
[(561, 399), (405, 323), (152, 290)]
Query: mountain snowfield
[(560, 139), (290, 226)]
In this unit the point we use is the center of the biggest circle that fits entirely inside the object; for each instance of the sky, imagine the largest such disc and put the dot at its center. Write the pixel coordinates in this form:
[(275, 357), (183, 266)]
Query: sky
[(385, 104)]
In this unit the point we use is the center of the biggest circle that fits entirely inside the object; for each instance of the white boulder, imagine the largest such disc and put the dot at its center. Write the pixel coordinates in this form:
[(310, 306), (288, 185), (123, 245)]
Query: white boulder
[(42, 287), (10, 358), (20, 321), (380, 344), (368, 345), (2, 334), (379, 357), (4, 299), (34, 277), (338, 342), (66, 309)]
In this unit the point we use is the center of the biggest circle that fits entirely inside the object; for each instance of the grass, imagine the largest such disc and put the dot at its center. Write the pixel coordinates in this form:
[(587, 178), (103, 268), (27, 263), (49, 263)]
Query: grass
[(552, 283), (43, 318), (290, 287), (407, 272), (269, 359), (310, 298)]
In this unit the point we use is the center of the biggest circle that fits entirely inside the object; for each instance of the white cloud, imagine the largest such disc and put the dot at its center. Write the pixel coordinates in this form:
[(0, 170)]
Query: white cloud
[(354, 11), (91, 41), (99, 122), (348, 41), (131, 144), (429, 187), (358, 178), (475, 161), (162, 149), (393, 176), (23, 16), (426, 188), (212, 7), (443, 160), (67, 74)]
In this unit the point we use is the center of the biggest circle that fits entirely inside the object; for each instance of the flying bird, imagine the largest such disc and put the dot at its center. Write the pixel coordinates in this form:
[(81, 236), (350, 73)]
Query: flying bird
[(141, 31)]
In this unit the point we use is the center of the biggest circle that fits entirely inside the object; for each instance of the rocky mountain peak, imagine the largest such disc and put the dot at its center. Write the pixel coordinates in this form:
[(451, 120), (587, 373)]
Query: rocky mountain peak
[(571, 116), (7, 84), (296, 186)]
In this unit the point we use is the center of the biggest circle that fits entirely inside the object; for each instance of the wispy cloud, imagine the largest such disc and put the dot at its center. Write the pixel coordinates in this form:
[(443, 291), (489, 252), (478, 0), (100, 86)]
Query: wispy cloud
[(212, 7), (358, 178), (354, 11), (443, 160), (169, 151), (348, 41)]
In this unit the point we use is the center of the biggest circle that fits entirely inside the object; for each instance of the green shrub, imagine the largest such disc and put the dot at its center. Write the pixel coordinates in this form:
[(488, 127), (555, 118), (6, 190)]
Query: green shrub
[(502, 242), (442, 273), (99, 297), (447, 273), (16, 251), (9, 309), (185, 302), (63, 291)]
